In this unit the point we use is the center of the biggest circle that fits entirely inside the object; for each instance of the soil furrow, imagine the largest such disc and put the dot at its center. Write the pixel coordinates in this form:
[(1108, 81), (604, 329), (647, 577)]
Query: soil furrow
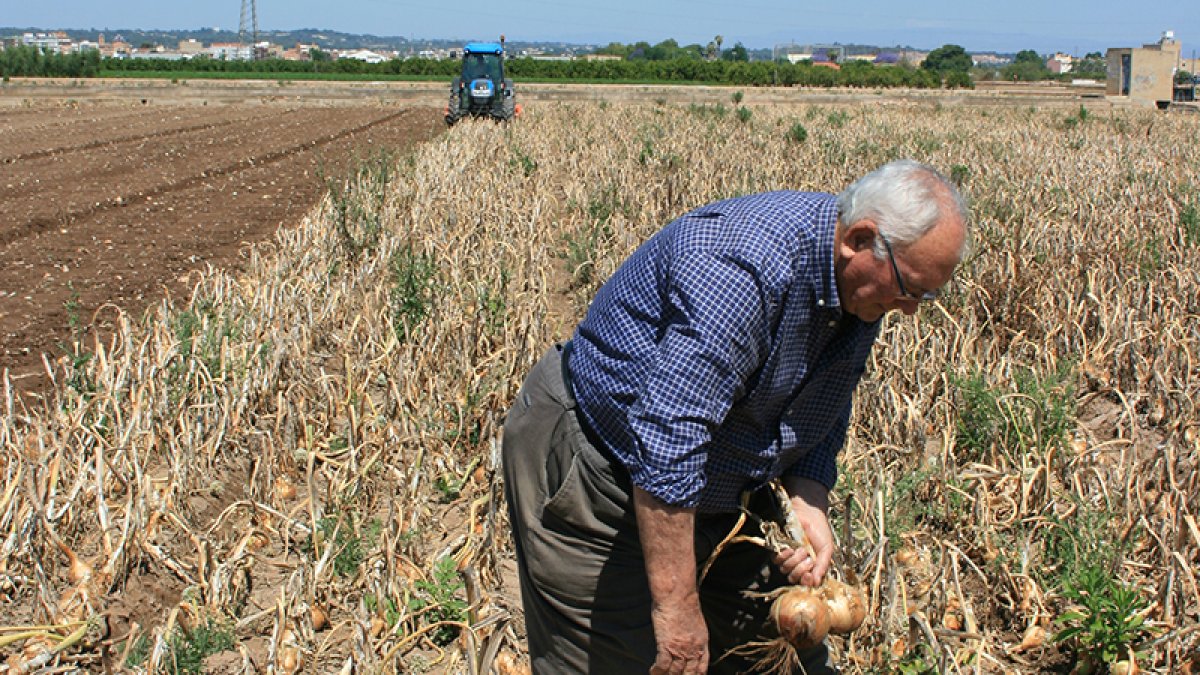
[(55, 277), (108, 142), (65, 217)]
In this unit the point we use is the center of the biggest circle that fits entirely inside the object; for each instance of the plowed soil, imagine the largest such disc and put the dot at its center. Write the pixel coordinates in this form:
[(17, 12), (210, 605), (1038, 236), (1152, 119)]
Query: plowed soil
[(116, 204)]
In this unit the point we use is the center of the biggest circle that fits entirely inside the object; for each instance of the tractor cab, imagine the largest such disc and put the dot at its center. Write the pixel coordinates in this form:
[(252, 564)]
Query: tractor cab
[(481, 90)]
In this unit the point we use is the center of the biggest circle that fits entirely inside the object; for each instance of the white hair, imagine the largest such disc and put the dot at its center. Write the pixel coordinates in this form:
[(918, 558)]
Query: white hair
[(905, 199)]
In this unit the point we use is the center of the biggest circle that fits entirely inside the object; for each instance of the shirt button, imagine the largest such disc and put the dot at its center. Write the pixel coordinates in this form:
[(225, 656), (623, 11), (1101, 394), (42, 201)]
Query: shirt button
[(820, 303), (832, 324)]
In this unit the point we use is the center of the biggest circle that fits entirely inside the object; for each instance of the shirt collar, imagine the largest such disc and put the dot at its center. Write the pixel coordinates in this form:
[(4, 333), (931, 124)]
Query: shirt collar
[(824, 277)]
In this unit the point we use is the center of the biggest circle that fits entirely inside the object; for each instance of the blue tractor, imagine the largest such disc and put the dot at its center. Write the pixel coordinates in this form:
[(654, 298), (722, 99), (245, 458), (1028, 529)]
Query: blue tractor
[(482, 90)]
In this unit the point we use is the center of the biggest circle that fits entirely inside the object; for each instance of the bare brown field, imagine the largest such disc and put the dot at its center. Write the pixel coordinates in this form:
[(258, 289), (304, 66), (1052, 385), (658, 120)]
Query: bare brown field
[(114, 205)]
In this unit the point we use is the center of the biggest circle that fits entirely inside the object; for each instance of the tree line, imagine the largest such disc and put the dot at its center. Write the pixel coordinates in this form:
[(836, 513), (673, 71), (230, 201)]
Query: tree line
[(948, 66), (735, 72), (25, 61)]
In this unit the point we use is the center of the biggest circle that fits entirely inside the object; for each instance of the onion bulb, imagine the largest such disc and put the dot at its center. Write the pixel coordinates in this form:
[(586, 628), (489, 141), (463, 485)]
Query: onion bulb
[(801, 616), (847, 605)]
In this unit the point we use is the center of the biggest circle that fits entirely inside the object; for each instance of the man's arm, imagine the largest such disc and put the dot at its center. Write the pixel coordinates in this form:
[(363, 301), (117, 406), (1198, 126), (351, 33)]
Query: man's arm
[(810, 501), (667, 536)]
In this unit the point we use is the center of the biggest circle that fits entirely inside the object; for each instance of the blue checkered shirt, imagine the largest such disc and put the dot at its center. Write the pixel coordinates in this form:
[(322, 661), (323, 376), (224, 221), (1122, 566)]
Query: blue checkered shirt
[(717, 357)]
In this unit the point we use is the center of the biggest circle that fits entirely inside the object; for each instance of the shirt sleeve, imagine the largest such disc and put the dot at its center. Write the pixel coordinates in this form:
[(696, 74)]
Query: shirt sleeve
[(714, 339), (820, 463)]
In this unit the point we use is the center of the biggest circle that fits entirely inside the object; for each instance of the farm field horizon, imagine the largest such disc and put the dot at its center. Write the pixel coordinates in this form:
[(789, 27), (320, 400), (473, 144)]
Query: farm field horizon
[(293, 460)]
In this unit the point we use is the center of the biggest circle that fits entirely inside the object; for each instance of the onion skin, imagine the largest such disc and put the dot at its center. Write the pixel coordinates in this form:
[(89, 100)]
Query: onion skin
[(801, 616), (847, 605)]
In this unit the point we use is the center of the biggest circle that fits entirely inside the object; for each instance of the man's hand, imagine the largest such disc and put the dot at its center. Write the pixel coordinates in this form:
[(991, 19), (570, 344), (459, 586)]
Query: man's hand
[(682, 638), (667, 533), (810, 501)]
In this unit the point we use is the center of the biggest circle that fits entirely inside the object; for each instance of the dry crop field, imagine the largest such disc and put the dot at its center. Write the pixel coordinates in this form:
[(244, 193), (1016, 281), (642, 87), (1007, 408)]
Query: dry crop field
[(295, 469)]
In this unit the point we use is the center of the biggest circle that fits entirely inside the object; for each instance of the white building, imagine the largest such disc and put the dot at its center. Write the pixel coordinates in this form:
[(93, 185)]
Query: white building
[(58, 43), (231, 51), (364, 55), (1060, 63)]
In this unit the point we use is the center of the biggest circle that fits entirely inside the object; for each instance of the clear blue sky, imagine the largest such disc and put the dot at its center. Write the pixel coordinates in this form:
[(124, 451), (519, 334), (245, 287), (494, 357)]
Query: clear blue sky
[(1066, 25)]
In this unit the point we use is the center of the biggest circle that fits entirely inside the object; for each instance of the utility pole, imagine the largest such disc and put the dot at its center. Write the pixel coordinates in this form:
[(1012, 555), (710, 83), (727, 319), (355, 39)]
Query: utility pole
[(249, 10)]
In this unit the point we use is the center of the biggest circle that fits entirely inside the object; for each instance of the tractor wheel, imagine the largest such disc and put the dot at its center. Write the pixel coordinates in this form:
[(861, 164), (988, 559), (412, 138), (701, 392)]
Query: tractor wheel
[(508, 108), (454, 110)]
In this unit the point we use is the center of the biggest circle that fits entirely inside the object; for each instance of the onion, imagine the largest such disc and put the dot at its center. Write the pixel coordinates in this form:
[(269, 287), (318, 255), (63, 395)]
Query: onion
[(847, 605), (320, 620), (801, 616)]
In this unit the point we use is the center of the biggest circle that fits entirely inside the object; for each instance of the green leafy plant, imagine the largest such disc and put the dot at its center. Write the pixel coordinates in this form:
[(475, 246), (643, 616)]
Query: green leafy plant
[(716, 110), (438, 601), (189, 648), (959, 173), (838, 118), (924, 499), (201, 330), (1106, 625), (1038, 413), (349, 543), (797, 134), (744, 115), (1189, 223), (138, 651), (736, 97), (584, 245), (523, 161), (412, 290)]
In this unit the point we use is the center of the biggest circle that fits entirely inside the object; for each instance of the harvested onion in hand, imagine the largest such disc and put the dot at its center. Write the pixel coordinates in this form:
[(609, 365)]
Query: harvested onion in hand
[(802, 616)]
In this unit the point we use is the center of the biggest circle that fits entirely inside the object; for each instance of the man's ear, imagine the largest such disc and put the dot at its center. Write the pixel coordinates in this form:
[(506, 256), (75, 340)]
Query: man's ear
[(861, 235)]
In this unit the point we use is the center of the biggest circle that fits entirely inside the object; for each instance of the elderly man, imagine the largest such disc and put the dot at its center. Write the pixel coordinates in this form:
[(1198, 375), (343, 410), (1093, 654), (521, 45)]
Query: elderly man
[(721, 355)]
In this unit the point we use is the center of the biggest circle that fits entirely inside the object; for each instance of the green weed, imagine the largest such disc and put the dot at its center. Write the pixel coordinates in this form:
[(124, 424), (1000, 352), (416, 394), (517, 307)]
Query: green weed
[(1106, 624), (838, 119), (348, 541), (201, 331), (797, 134), (744, 115), (438, 600), (584, 245), (924, 499), (524, 162), (716, 110), (493, 308), (959, 173), (189, 649), (1189, 224), (1036, 412), (412, 293), (736, 97), (138, 651)]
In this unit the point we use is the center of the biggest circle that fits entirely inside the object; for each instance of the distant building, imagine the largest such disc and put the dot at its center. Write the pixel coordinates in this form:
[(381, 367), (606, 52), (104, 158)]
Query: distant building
[(1060, 63), (989, 59), (231, 51), (1144, 74), (363, 55), (191, 46), (59, 43)]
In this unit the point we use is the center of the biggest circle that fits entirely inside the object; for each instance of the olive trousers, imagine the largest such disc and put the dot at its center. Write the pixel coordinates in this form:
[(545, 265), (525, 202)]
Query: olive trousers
[(584, 590)]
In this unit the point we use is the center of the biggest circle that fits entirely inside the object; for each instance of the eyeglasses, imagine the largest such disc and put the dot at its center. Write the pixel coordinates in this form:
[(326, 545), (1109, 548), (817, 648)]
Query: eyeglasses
[(927, 296)]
